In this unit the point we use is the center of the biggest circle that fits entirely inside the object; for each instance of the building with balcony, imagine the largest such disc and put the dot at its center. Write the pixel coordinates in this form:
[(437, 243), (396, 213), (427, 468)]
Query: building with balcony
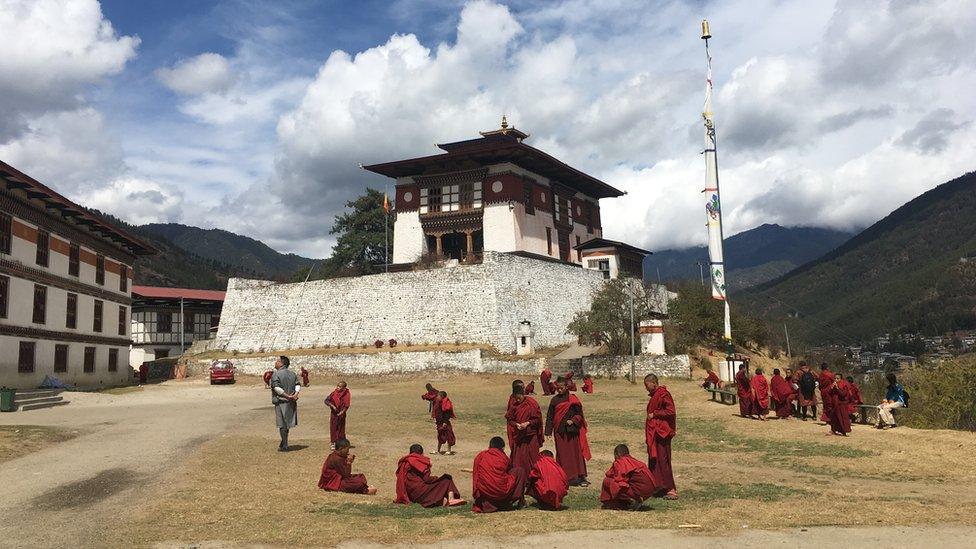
[(166, 321)]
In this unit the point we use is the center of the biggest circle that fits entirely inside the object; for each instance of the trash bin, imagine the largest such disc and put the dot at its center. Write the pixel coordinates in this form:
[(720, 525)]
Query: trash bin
[(7, 399)]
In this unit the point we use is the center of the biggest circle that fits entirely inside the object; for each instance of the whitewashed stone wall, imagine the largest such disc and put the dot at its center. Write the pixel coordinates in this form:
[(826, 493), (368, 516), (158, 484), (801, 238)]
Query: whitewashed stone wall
[(619, 366), (463, 304), (388, 363)]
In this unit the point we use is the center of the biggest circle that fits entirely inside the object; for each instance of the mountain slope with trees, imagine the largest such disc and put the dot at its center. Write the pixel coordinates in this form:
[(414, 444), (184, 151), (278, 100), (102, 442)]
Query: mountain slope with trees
[(909, 272)]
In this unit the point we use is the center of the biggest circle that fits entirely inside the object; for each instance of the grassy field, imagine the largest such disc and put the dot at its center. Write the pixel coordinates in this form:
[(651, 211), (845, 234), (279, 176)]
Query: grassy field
[(19, 440), (731, 473)]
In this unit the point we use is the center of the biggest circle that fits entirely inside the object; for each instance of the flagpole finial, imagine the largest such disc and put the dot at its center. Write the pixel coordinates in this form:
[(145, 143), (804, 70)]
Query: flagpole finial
[(705, 34)]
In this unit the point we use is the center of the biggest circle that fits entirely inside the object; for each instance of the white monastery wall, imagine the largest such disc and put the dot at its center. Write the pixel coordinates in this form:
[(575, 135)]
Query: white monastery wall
[(499, 228), (480, 304), (408, 238)]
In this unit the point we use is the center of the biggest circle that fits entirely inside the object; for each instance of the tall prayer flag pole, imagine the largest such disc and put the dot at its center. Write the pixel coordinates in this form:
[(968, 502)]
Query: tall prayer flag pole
[(713, 204)]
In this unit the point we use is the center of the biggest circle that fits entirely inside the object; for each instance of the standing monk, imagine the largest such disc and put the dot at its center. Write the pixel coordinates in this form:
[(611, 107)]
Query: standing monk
[(760, 394), (825, 380), (570, 384), (837, 394), (782, 393), (545, 378), (443, 414), (430, 396), (304, 374), (337, 472), (711, 380), (509, 427), (547, 482), (284, 395), (530, 388), (588, 384), (414, 484), (806, 395), (495, 484), (659, 429), (853, 397), (628, 482), (338, 402), (566, 424), (744, 391), (267, 378), (525, 421)]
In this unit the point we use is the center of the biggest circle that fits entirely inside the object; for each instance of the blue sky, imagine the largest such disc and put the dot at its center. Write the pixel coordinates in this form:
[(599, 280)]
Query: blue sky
[(252, 115)]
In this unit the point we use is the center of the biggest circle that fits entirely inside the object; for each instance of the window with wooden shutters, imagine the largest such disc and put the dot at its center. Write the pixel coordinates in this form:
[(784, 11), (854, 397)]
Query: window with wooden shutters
[(74, 258), (579, 253), (123, 278), (71, 312), (164, 323), (89, 360), (25, 359), (588, 212), (6, 232), (43, 248), (40, 304), (528, 194), (97, 317), (122, 322), (188, 323), (60, 358), (100, 270), (113, 360), (4, 295), (549, 239)]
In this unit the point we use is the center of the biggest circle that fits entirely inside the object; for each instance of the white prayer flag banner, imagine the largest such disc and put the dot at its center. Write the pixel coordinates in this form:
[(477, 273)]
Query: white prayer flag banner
[(713, 204)]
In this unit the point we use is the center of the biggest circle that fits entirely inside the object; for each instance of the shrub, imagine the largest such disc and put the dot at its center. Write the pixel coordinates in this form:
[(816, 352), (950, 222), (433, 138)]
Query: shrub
[(393, 343), (943, 396), (378, 343)]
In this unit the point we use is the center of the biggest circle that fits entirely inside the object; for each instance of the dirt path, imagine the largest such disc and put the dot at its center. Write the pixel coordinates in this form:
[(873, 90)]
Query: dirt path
[(63, 494)]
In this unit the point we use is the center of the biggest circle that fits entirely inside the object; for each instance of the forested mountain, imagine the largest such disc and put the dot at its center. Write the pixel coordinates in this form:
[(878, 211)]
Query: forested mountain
[(912, 271), (751, 257)]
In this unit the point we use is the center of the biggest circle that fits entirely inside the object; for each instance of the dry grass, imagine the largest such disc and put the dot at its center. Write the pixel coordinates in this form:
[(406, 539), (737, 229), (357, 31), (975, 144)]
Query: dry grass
[(730, 472), (19, 440)]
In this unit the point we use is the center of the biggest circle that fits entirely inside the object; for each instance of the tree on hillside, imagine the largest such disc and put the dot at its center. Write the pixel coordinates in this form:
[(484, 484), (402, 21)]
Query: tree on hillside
[(697, 319), (608, 320)]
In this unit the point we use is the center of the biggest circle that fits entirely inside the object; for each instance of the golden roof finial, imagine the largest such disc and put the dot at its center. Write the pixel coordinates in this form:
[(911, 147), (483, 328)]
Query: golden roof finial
[(705, 33), (504, 122)]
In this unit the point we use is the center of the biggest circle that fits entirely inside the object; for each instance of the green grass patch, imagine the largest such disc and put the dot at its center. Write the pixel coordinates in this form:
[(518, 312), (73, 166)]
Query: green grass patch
[(391, 510), (709, 435)]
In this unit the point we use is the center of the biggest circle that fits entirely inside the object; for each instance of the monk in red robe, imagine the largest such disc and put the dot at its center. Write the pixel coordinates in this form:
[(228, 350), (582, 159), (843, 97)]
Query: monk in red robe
[(825, 380), (338, 402), (782, 395), (567, 425), (430, 396), (267, 378), (530, 388), (659, 430), (806, 397), (337, 472), (570, 384), (744, 392), (760, 394), (628, 482), (509, 427), (545, 378), (304, 373), (443, 414), (588, 384), (525, 422), (711, 380), (837, 395), (495, 484), (414, 483), (547, 482)]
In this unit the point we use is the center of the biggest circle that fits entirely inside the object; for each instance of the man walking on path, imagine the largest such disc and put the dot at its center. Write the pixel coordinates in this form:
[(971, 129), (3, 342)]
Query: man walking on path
[(284, 396)]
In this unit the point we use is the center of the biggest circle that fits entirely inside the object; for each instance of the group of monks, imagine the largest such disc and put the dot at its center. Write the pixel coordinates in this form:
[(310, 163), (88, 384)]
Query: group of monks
[(501, 481), (794, 394)]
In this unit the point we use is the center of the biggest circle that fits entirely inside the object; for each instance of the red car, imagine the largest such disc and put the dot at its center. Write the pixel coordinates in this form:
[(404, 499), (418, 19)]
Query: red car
[(222, 371)]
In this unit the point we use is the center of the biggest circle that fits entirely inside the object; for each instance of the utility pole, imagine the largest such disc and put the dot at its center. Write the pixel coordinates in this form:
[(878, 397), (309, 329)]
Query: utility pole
[(182, 328), (701, 272), (789, 352), (633, 366)]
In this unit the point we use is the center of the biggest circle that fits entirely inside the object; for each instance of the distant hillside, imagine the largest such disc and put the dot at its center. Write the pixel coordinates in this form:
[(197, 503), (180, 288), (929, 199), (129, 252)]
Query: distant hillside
[(907, 272), (751, 257), (229, 248)]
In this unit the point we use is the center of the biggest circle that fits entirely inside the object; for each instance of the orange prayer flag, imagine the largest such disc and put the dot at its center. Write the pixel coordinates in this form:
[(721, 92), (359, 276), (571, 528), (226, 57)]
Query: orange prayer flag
[(386, 203)]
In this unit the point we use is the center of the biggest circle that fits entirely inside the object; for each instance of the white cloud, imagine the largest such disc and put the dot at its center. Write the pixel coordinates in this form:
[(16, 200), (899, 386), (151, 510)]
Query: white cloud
[(136, 200), (204, 73)]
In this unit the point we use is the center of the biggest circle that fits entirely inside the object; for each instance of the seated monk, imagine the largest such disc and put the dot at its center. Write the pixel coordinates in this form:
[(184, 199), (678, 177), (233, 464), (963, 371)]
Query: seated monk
[(547, 482), (853, 397), (414, 483), (628, 482), (570, 384), (530, 388), (495, 484), (712, 380), (337, 472), (588, 384)]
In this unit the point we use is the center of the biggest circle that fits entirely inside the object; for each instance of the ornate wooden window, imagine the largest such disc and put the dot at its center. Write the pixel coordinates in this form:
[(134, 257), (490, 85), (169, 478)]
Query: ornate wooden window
[(122, 318), (71, 312), (188, 323), (60, 358), (579, 253), (74, 259), (123, 278), (528, 195), (588, 212), (25, 358), (89, 360), (164, 322), (6, 232), (97, 317), (549, 239), (4, 295), (113, 360), (100, 270), (40, 304), (43, 248), (564, 210), (433, 197)]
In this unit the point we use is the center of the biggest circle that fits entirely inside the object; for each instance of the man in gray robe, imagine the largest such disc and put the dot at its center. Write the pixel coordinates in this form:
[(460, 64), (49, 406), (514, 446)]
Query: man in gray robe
[(284, 395)]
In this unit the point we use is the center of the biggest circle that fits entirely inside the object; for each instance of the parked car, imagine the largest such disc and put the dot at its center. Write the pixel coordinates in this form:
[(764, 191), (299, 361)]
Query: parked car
[(222, 371)]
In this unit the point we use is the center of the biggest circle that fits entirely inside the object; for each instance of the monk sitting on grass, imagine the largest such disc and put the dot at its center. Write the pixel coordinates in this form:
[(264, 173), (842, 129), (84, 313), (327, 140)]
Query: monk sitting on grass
[(628, 482), (414, 483), (495, 484), (337, 472), (588, 384), (547, 482)]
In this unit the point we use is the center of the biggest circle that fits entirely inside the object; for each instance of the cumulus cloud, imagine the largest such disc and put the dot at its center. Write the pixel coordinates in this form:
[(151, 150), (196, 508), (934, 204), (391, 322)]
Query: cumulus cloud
[(932, 132), (136, 200), (204, 73)]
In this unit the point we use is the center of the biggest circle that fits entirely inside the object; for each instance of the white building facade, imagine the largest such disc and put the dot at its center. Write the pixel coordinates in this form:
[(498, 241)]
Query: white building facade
[(65, 289), (166, 321)]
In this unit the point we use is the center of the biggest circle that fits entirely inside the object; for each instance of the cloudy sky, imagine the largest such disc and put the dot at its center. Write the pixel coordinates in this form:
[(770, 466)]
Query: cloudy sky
[(252, 115)]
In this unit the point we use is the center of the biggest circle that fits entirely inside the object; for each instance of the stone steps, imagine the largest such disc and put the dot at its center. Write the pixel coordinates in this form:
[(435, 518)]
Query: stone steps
[(36, 399)]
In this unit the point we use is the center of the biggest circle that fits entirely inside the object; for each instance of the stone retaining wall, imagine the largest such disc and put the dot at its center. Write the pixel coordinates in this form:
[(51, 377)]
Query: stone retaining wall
[(619, 366)]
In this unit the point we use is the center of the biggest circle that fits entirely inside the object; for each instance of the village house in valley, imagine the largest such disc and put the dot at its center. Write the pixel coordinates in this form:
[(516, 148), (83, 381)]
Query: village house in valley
[(65, 288)]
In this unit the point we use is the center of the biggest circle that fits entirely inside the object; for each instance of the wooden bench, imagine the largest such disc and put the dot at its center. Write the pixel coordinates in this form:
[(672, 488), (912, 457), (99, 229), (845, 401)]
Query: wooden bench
[(723, 394)]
